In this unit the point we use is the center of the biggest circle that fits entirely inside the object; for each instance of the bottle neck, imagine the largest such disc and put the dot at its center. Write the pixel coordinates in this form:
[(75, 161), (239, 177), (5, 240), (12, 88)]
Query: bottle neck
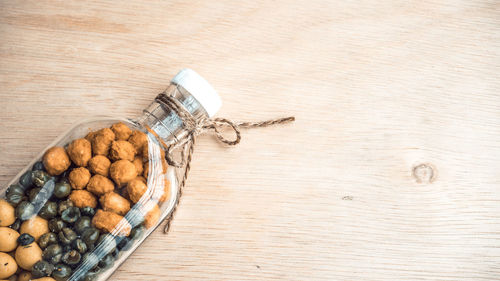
[(164, 121)]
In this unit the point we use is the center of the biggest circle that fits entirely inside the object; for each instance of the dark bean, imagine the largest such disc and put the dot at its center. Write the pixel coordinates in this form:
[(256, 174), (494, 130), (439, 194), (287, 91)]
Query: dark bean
[(81, 224), (116, 253), (38, 166), (67, 248), (90, 236), (25, 210), (56, 225), (17, 188), (32, 193), (25, 180), (55, 259), (80, 246), (64, 205), (16, 225), (39, 178), (90, 259), (15, 198), (63, 179), (15, 194), (105, 244), (93, 274), (70, 215), (41, 269), (48, 211), (62, 189), (137, 232), (25, 239), (123, 243), (106, 262), (52, 251), (67, 235), (71, 258), (12, 278), (61, 272), (47, 239), (87, 211)]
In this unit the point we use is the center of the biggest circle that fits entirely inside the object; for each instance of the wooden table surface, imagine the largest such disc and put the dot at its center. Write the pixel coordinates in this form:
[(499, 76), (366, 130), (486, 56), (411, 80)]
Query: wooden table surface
[(391, 171)]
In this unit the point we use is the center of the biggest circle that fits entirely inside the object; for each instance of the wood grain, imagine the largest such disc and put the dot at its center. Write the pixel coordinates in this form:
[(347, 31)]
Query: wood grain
[(377, 89)]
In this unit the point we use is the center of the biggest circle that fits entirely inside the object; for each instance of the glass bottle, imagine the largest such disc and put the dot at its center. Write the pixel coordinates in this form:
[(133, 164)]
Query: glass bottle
[(104, 223)]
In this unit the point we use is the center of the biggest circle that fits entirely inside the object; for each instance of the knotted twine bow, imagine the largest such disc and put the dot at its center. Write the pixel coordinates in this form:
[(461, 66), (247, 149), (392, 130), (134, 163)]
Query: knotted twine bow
[(195, 128)]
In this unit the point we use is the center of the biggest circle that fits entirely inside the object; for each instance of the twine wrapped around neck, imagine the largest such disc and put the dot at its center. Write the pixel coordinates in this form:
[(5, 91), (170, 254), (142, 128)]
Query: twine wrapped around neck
[(195, 128)]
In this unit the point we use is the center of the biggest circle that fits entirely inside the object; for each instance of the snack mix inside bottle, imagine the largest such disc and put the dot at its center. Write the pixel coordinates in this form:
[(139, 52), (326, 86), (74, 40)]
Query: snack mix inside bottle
[(91, 197)]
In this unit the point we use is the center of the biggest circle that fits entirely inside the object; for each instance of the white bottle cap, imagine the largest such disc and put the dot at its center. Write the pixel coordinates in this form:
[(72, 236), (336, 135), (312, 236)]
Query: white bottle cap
[(201, 90)]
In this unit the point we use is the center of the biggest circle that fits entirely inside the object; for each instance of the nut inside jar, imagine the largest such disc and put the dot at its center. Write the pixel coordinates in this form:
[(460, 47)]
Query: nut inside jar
[(84, 203)]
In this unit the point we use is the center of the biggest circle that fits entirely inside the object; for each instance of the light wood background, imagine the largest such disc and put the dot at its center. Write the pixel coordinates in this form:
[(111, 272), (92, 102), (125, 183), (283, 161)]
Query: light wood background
[(378, 88)]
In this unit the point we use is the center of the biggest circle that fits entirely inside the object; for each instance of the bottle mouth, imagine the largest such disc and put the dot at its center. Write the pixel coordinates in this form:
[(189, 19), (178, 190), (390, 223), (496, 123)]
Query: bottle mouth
[(164, 121), (200, 89)]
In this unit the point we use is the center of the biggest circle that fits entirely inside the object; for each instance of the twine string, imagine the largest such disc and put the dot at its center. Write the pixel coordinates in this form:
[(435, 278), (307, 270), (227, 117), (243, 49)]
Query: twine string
[(195, 128)]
